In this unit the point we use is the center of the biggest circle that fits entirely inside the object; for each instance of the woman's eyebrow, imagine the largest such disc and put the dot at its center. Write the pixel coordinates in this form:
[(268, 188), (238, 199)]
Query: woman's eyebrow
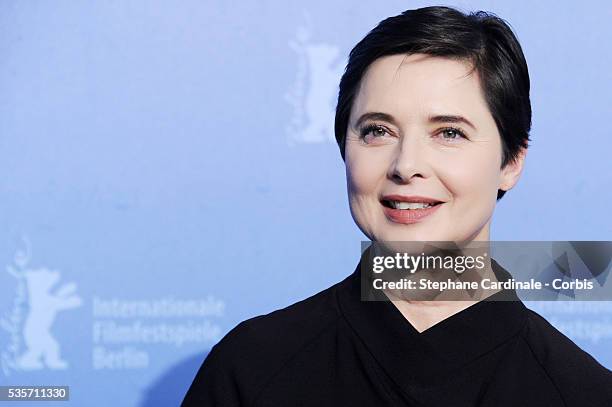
[(441, 118), (375, 116), (445, 118)]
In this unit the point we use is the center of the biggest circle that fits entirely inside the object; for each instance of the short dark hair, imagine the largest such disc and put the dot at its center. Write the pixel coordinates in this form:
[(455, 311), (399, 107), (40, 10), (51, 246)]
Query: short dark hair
[(481, 38)]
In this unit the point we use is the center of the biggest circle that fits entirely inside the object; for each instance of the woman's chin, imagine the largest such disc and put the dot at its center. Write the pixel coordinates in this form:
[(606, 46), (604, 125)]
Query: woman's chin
[(410, 236)]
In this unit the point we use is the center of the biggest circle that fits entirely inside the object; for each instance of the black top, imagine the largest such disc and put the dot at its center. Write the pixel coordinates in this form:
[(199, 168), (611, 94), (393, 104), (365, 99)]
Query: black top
[(332, 349)]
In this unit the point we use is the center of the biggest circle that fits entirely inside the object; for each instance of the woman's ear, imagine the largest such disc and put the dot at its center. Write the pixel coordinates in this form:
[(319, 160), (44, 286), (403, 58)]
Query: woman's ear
[(511, 173)]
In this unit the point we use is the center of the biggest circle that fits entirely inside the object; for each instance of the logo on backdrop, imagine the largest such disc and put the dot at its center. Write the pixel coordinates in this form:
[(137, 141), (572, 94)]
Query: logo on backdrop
[(127, 333), (38, 300), (315, 90)]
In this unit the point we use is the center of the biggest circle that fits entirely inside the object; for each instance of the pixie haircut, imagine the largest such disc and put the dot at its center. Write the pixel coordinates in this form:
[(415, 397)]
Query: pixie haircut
[(483, 39)]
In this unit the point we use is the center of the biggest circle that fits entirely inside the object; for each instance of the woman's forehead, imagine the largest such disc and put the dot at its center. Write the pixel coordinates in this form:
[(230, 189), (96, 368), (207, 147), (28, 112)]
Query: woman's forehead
[(409, 85)]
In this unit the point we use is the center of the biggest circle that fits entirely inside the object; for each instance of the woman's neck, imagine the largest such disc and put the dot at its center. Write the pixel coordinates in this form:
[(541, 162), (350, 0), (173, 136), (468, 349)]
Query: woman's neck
[(423, 314)]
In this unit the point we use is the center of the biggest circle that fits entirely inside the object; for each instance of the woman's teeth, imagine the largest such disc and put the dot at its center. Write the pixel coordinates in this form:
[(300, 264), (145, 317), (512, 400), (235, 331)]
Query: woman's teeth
[(410, 205)]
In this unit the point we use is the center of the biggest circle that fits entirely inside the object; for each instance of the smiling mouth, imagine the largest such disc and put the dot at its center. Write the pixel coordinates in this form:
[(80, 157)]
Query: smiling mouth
[(408, 206)]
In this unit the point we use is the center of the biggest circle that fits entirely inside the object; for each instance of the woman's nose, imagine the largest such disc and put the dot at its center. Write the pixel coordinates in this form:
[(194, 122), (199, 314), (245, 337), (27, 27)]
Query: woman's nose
[(408, 159)]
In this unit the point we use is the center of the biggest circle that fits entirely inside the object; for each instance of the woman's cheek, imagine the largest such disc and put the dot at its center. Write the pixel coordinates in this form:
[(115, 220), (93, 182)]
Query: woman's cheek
[(363, 174), (472, 174), (458, 177)]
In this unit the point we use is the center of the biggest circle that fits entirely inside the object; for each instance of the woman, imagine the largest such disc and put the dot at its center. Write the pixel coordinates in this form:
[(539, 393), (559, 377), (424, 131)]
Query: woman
[(433, 110)]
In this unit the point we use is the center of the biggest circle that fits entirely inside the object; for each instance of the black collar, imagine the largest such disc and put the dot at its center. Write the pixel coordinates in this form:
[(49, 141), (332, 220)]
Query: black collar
[(436, 353)]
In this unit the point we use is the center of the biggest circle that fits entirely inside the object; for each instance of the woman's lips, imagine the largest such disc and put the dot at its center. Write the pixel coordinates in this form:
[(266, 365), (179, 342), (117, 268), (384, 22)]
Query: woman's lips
[(409, 215)]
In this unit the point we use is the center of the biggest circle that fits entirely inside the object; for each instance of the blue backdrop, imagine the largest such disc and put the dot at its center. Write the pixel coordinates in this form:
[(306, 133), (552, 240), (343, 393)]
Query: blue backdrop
[(168, 169)]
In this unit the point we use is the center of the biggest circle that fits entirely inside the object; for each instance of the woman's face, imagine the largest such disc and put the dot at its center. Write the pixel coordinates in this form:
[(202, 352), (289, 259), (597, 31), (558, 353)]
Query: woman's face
[(420, 126)]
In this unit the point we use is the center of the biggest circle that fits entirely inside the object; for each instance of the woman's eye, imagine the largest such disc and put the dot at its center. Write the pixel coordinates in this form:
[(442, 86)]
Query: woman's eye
[(375, 131), (452, 134)]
